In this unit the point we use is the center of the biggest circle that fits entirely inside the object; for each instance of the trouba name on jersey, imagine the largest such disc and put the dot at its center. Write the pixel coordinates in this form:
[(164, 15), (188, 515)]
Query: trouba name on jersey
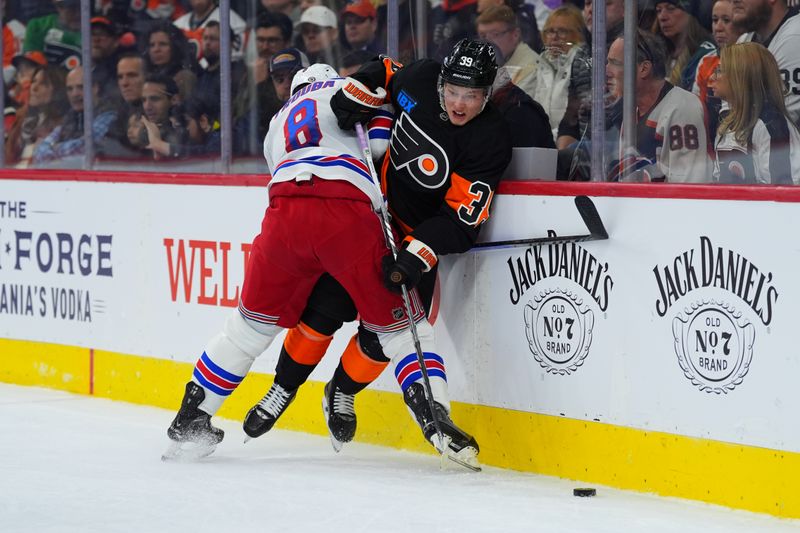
[(317, 85)]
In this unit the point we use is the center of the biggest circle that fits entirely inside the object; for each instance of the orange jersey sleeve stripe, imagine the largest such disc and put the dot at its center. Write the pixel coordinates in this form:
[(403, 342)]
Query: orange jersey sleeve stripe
[(305, 345), (465, 198), (358, 365), (391, 67)]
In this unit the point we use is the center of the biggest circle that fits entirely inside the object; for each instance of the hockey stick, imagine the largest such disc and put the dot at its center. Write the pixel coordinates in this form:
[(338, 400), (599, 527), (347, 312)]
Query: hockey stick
[(590, 216), (387, 233)]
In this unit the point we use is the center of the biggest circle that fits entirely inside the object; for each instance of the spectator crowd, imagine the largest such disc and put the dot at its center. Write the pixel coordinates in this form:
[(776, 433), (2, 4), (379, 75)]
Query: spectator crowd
[(717, 82)]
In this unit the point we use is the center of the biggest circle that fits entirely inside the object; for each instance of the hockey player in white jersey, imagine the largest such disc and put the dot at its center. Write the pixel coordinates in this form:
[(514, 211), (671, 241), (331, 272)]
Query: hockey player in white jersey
[(321, 219), (671, 130), (776, 26)]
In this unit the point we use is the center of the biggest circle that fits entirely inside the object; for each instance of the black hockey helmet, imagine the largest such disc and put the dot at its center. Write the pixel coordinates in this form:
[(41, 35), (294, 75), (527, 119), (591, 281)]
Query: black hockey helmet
[(471, 63)]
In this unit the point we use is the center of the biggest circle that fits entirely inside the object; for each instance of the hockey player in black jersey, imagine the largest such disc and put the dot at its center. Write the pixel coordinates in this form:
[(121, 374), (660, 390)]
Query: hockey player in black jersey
[(448, 148)]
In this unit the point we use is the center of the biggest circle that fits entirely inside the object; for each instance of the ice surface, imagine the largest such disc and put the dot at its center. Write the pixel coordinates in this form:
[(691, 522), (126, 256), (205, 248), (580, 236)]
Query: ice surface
[(83, 464)]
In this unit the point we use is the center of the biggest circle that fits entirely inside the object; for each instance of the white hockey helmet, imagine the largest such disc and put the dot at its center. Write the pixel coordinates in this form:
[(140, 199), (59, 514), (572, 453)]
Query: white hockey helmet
[(316, 72)]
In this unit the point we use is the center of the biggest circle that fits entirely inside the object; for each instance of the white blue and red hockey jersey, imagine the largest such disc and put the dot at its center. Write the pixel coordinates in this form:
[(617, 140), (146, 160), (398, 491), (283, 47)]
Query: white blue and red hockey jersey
[(304, 139)]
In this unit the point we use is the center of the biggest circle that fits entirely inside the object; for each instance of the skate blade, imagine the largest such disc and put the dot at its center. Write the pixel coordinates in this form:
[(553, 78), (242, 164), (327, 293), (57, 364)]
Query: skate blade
[(438, 444), (336, 443), (467, 457), (187, 451)]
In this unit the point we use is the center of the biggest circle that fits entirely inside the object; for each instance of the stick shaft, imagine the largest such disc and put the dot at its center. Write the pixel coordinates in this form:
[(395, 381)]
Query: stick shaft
[(591, 218), (387, 233), (539, 241)]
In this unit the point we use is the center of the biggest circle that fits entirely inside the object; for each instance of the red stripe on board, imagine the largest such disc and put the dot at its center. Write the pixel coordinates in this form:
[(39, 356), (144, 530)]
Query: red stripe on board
[(91, 371), (762, 193), (238, 180)]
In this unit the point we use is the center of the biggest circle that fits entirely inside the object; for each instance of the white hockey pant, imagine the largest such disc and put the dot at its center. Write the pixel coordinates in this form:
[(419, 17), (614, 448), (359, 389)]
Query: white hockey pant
[(229, 356), (399, 347)]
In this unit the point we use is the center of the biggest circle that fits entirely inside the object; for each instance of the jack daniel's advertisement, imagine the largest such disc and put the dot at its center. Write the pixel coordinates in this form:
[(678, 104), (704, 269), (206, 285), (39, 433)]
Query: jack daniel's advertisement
[(714, 333), (564, 285)]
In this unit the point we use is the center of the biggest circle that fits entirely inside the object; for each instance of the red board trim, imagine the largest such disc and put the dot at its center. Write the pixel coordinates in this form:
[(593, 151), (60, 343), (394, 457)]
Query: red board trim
[(761, 193)]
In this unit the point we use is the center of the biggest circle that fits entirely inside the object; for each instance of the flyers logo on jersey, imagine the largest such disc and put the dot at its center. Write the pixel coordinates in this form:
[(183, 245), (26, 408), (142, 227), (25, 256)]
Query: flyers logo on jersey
[(419, 155)]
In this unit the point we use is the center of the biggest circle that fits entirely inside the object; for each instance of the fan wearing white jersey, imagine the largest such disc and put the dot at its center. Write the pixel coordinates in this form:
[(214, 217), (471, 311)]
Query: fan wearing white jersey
[(776, 26), (671, 134), (321, 219), (756, 142), (193, 25)]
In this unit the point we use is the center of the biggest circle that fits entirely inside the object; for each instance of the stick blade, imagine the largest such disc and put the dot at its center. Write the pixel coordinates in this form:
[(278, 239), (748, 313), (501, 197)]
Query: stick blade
[(591, 217)]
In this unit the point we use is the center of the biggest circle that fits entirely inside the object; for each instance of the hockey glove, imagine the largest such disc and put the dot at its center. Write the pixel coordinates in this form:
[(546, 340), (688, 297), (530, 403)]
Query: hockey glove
[(407, 269), (354, 103)]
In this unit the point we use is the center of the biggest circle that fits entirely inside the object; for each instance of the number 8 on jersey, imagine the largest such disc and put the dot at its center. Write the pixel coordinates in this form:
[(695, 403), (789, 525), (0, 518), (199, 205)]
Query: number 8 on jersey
[(302, 130)]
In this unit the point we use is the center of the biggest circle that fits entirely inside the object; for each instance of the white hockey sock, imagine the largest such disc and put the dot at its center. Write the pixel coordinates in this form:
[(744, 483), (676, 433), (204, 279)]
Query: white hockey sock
[(228, 357), (399, 347)]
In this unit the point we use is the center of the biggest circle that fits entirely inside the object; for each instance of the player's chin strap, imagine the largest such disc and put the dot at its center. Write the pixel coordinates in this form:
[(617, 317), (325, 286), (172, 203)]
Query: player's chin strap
[(387, 233)]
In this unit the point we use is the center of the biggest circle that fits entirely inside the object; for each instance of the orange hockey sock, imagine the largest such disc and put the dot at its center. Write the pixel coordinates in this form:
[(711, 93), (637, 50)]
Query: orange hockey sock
[(359, 366), (305, 345)]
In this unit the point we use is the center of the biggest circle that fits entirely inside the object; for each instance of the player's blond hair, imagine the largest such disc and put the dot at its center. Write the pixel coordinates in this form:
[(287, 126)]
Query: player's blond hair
[(754, 79)]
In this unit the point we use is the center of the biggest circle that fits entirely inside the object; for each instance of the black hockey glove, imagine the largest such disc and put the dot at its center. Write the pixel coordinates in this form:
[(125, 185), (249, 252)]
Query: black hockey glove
[(407, 269), (354, 102)]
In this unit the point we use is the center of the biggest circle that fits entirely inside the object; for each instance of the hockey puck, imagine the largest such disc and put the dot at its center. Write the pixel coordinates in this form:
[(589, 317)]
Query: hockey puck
[(585, 492)]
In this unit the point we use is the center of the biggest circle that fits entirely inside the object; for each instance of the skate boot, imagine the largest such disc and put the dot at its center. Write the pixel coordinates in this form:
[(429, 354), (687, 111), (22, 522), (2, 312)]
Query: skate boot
[(262, 416), (191, 432), (340, 415), (459, 446)]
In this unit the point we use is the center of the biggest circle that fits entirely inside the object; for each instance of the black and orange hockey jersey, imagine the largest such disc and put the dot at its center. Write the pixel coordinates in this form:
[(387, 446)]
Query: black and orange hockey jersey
[(439, 178)]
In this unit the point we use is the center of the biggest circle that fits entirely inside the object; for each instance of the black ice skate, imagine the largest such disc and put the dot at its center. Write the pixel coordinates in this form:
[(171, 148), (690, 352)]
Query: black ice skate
[(459, 446), (191, 432), (340, 415), (262, 416)]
